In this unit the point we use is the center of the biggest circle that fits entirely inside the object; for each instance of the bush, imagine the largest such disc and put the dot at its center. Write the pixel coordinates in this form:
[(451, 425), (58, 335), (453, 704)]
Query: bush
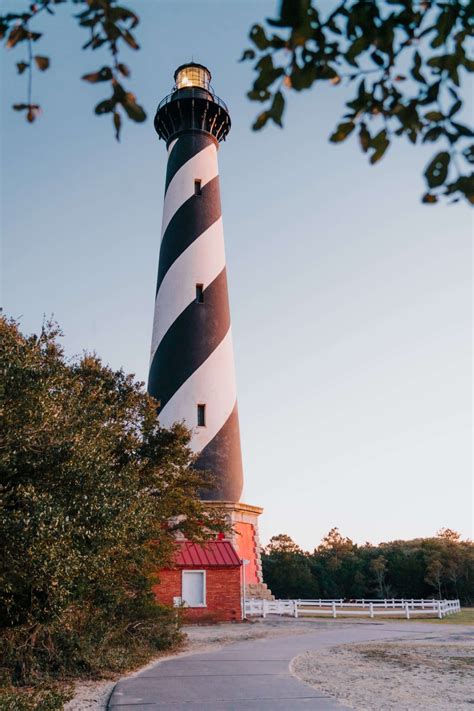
[(89, 483), (45, 697)]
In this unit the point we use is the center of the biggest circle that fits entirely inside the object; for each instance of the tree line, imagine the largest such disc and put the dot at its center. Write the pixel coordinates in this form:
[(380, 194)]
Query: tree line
[(441, 566)]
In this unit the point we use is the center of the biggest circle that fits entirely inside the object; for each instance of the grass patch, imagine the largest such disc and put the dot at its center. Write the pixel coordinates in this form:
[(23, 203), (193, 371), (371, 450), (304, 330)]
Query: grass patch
[(465, 617)]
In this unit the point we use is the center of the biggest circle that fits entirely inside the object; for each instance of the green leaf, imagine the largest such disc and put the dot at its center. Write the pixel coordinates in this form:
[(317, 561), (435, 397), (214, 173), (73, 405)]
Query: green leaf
[(444, 25), (277, 107), (356, 48), (133, 110), (262, 95), (434, 116), (454, 108), (454, 75), (117, 124), (432, 93), (292, 13), (32, 113), (379, 143), (261, 120), (462, 129), (106, 106), (267, 73), (247, 54), (18, 34), (130, 39), (433, 134), (42, 62), (303, 77), (415, 70), (437, 170), (364, 138), (258, 37), (342, 132), (104, 74), (377, 58), (465, 185), (123, 69)]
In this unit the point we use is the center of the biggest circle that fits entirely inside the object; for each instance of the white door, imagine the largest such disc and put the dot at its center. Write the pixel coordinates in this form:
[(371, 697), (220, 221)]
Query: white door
[(194, 593)]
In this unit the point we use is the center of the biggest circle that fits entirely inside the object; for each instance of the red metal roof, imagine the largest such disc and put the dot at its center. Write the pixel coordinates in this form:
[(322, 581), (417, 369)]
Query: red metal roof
[(211, 553)]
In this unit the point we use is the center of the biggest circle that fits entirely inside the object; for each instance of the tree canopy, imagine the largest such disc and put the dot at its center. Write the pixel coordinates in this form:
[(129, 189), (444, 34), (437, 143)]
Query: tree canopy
[(407, 61), (90, 486), (440, 566)]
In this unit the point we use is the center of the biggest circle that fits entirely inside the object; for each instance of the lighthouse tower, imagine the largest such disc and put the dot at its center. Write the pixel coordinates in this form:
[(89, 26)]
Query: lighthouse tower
[(192, 372)]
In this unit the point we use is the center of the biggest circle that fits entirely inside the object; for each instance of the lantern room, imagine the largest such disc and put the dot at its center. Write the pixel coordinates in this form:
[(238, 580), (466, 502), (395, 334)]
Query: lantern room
[(192, 75)]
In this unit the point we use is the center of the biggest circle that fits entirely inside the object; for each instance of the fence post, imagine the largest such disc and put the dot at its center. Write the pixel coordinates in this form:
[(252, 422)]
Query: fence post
[(422, 604), (407, 611), (371, 607), (385, 603), (264, 609), (296, 608), (440, 614), (334, 609), (393, 603)]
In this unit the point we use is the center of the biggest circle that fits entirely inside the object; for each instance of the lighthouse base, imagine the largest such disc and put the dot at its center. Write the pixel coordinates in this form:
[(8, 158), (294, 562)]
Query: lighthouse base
[(243, 519)]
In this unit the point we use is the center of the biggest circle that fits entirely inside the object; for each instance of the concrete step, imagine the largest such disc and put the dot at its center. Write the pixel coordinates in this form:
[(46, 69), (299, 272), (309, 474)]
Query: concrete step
[(258, 591)]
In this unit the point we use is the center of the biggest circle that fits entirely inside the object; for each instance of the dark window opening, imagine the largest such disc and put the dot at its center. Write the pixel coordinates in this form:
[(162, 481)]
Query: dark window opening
[(197, 187), (201, 415), (200, 293)]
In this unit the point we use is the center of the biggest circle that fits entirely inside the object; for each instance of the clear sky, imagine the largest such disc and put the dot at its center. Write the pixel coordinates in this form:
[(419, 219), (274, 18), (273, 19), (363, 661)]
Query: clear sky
[(351, 302)]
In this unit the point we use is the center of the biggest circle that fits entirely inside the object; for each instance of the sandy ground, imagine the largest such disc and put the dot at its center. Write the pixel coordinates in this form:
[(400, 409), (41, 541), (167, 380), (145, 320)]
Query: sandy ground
[(407, 675), (393, 675), (90, 695), (93, 695)]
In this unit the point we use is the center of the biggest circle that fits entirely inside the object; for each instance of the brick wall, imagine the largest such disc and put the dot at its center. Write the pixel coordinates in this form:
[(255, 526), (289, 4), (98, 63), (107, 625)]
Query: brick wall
[(247, 549), (223, 594)]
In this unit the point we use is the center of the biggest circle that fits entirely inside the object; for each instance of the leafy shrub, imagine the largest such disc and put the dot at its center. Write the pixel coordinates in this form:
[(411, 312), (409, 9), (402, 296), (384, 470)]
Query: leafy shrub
[(89, 483)]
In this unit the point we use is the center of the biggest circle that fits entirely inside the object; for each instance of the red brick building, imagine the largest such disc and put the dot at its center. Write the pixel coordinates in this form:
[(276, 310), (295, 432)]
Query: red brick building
[(206, 580)]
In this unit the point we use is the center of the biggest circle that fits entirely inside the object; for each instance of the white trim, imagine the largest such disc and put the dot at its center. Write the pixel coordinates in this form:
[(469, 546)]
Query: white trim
[(204, 584)]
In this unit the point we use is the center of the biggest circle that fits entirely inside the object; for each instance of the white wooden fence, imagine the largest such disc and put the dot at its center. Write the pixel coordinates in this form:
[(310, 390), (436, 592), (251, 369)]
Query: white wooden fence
[(362, 607)]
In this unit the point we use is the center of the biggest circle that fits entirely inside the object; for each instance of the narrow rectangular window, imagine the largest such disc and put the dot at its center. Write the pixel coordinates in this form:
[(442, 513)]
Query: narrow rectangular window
[(200, 293), (201, 415), (194, 588), (197, 186)]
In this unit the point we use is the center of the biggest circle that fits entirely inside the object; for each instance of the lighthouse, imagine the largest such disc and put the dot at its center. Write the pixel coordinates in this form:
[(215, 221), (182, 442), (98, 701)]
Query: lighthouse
[(192, 373)]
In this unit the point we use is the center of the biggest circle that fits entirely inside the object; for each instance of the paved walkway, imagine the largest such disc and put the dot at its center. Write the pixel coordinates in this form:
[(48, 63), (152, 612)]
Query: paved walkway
[(253, 675)]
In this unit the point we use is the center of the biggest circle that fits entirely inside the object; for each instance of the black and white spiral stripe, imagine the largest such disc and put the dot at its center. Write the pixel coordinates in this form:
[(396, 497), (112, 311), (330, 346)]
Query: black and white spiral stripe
[(192, 358)]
